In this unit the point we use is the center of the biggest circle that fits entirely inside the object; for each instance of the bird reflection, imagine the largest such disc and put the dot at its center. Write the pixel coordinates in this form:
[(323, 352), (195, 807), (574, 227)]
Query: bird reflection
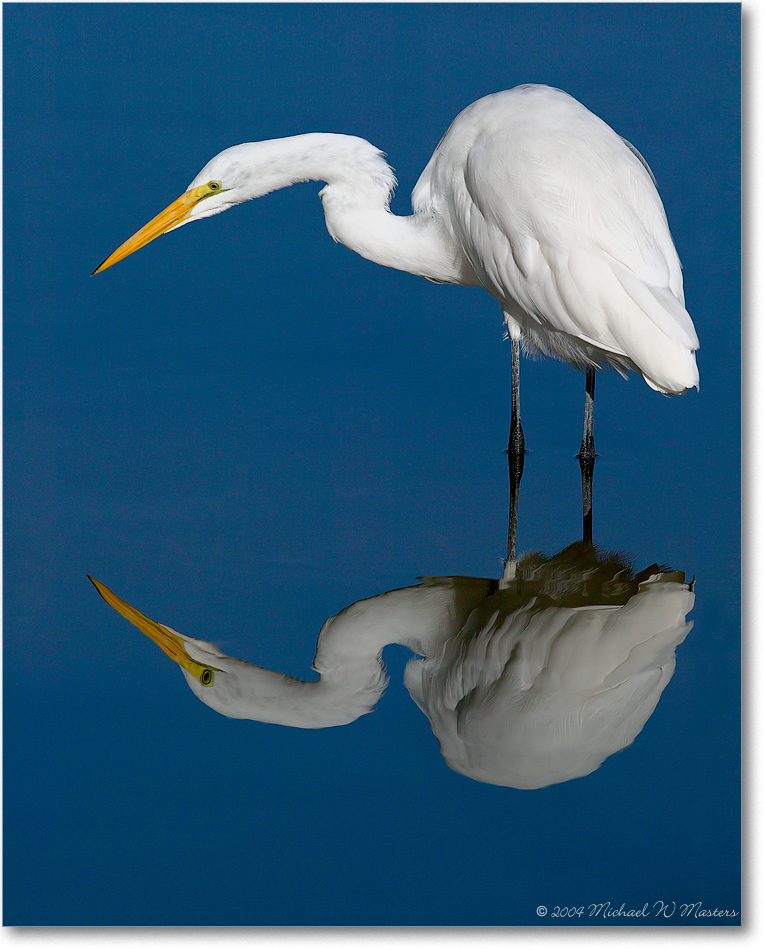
[(559, 668), (527, 680)]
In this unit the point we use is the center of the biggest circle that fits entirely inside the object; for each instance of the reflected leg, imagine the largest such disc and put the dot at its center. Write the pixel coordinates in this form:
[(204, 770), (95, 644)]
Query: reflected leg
[(587, 455), (515, 450), (515, 470)]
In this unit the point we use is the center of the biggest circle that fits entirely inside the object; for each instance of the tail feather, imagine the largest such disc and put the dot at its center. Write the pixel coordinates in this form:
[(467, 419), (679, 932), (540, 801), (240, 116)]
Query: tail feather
[(657, 332), (661, 307)]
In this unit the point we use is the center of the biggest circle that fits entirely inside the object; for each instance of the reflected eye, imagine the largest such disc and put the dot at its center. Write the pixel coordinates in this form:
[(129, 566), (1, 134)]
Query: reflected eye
[(215, 185), (207, 677)]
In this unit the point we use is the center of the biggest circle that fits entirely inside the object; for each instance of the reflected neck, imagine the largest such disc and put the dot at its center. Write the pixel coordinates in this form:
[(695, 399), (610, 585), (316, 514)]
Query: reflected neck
[(348, 657)]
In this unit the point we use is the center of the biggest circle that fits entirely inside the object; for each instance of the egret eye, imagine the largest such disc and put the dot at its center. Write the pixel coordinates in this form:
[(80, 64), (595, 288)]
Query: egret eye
[(215, 185), (207, 677)]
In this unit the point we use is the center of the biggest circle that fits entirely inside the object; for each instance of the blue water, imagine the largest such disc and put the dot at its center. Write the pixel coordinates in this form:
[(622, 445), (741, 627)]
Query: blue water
[(244, 428)]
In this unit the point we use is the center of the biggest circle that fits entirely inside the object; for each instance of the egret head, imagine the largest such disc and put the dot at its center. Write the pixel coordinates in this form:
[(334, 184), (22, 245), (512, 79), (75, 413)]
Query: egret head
[(230, 686), (212, 676), (226, 180), (174, 644)]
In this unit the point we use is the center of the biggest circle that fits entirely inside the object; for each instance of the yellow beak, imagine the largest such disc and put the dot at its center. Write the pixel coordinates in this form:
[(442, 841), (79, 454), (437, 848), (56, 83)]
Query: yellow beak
[(172, 215), (169, 643)]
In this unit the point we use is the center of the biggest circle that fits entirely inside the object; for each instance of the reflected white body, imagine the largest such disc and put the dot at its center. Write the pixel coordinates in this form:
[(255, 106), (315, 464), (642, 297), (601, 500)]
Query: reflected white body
[(530, 695), (519, 688), (528, 195)]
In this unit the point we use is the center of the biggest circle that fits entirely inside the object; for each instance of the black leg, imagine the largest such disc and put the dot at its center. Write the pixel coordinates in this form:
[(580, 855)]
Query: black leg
[(515, 449), (587, 455), (588, 467), (588, 438), (515, 470), (516, 441)]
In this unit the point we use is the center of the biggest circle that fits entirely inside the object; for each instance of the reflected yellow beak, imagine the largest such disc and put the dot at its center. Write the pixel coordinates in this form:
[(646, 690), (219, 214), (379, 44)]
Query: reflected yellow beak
[(172, 215), (169, 643)]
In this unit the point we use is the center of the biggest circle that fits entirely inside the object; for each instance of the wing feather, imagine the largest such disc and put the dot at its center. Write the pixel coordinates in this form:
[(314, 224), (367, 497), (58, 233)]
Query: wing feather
[(561, 220)]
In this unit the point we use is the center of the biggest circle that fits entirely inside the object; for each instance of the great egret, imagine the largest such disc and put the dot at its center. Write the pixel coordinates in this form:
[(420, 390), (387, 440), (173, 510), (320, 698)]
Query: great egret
[(528, 195), (526, 682)]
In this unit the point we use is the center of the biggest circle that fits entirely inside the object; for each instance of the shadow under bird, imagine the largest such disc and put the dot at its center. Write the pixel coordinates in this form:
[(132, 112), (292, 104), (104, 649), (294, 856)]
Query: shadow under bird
[(528, 195)]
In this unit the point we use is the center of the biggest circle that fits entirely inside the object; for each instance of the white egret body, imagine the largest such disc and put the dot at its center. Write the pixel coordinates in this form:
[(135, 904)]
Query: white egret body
[(528, 195)]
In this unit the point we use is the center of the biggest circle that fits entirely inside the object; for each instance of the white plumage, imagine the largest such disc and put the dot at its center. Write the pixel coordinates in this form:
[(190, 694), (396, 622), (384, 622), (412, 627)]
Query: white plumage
[(529, 195), (531, 692), (525, 682), (561, 221)]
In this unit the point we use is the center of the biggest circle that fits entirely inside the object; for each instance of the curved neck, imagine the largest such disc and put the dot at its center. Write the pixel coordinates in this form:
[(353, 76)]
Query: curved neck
[(348, 657), (356, 199), (338, 697)]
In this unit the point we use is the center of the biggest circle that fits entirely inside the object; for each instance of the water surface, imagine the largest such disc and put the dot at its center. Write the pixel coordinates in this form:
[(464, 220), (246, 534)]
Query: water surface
[(244, 428)]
